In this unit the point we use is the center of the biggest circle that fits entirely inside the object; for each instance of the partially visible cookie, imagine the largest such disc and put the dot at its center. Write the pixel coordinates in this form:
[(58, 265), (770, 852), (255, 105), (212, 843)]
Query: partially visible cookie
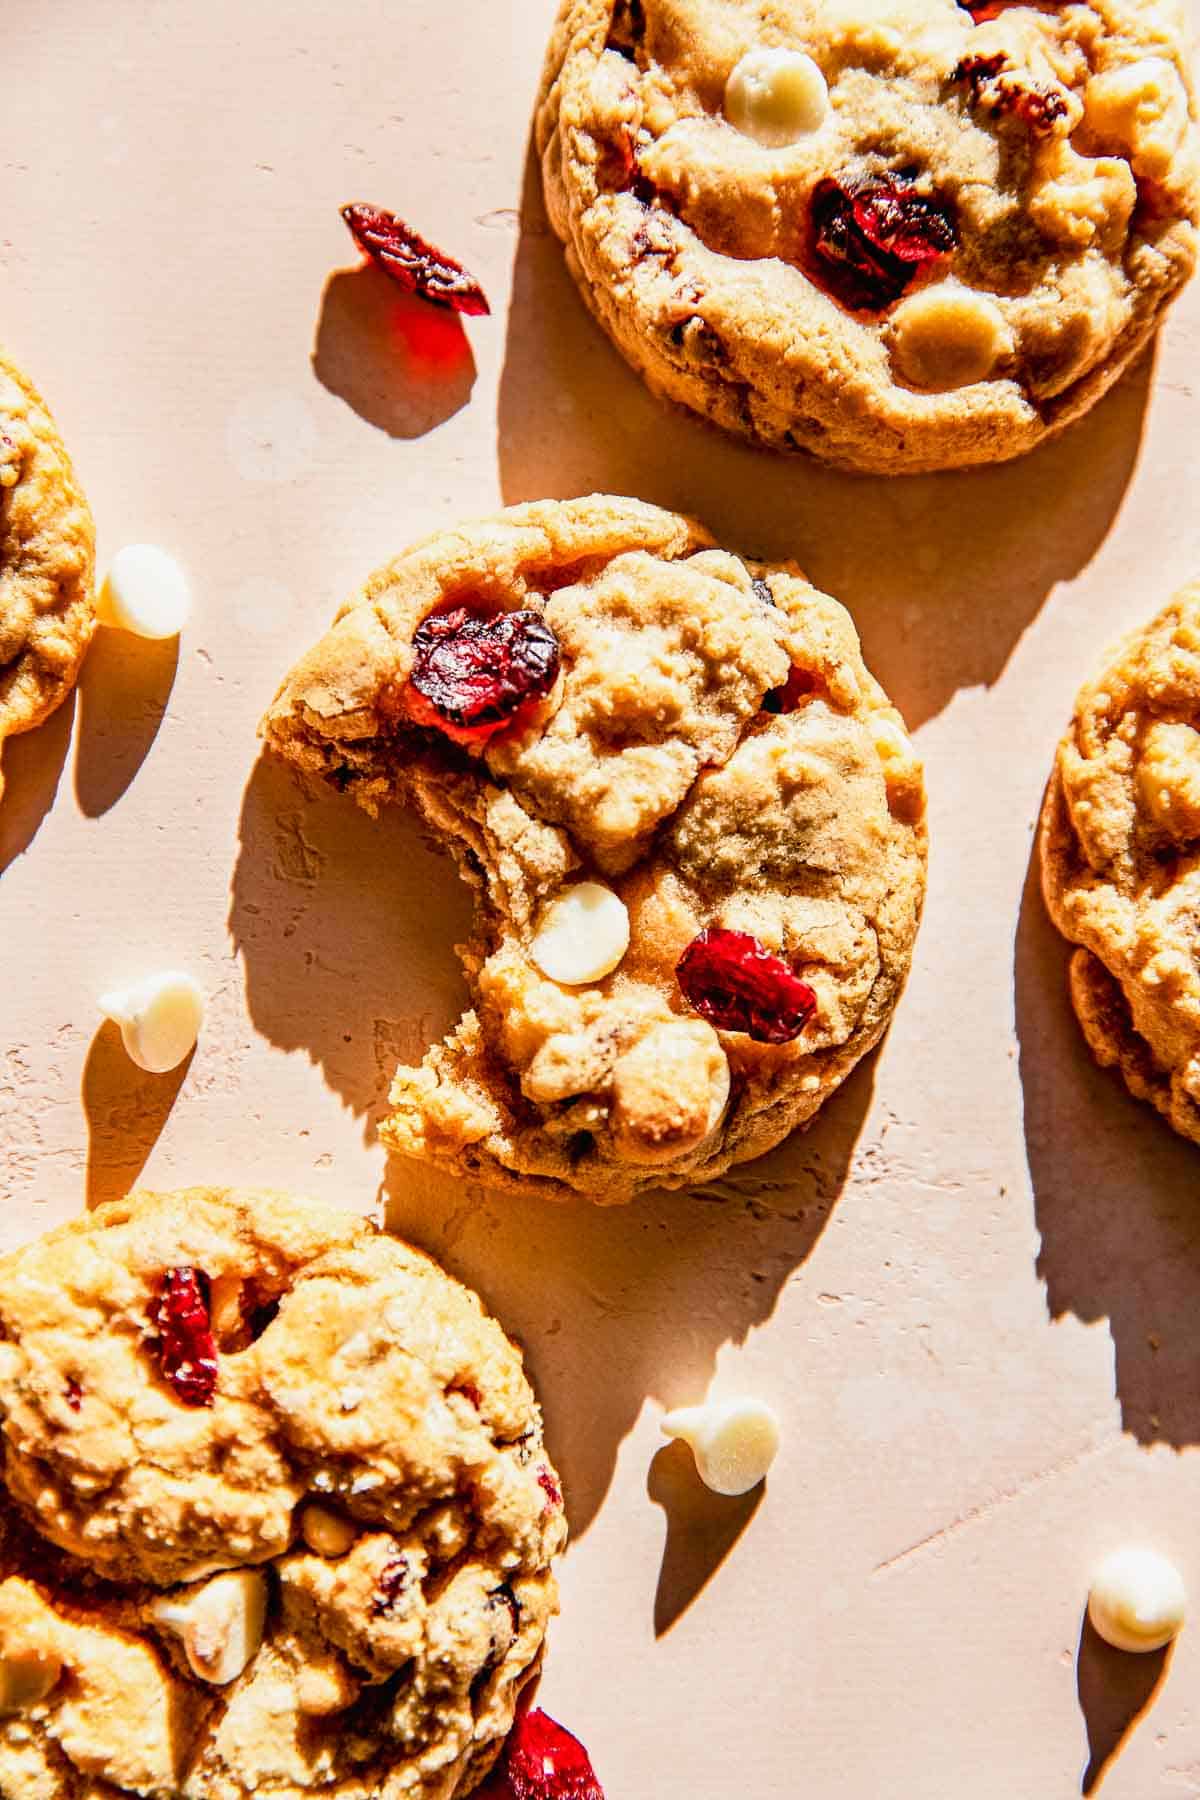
[(276, 1515), (693, 821), (898, 234), (47, 551), (1120, 849)]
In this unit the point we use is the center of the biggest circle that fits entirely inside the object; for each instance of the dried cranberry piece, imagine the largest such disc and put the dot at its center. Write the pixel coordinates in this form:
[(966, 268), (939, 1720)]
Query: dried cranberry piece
[(549, 1486), (475, 674), (187, 1351), (73, 1394), (393, 1579), (469, 1391), (542, 1761), (983, 10), (999, 89), (870, 236), (404, 254), (798, 686), (737, 985)]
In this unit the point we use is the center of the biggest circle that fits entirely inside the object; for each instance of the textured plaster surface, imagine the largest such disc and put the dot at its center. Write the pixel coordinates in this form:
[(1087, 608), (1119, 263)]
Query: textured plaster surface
[(973, 1289)]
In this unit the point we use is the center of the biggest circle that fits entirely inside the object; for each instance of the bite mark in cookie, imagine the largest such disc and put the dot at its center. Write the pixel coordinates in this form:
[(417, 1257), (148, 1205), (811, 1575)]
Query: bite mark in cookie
[(705, 766)]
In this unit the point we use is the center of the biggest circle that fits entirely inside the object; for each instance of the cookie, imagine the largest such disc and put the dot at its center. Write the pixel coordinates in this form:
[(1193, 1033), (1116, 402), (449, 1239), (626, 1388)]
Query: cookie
[(1120, 863), (47, 552), (693, 822), (278, 1518), (901, 235)]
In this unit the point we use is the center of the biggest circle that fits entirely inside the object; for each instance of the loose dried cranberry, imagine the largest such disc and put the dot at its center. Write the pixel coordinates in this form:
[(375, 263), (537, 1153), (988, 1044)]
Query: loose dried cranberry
[(187, 1351), (474, 674), (798, 686), (870, 236), (542, 1761), (549, 1486), (404, 254), (737, 985)]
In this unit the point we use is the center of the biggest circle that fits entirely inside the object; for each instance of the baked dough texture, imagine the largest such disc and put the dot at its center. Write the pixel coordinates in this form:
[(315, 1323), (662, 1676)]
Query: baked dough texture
[(652, 767), (1120, 847), (47, 561), (353, 1373), (1058, 139)]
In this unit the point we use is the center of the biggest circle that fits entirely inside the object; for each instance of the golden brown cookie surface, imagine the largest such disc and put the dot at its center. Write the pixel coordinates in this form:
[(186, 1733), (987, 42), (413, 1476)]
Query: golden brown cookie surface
[(308, 1556), (1120, 867), (905, 235), (47, 549), (707, 754)]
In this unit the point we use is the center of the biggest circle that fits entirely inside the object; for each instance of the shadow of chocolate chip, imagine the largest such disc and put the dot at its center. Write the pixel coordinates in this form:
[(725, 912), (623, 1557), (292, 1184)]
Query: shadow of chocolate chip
[(399, 362), (702, 1529), (1115, 1690)]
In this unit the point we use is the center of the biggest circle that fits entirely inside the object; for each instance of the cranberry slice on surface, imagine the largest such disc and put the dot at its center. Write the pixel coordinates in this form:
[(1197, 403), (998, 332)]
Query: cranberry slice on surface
[(731, 980), (405, 255), (541, 1761), (187, 1350), (471, 676), (871, 235), (795, 690)]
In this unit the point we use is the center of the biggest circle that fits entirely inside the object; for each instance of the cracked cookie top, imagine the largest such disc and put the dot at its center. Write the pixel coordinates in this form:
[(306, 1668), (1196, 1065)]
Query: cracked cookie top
[(47, 547), (905, 235), (1120, 846), (695, 832), (278, 1514)]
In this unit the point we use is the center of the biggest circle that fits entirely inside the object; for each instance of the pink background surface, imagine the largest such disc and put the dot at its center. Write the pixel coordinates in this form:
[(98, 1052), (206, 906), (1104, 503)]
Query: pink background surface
[(972, 1290)]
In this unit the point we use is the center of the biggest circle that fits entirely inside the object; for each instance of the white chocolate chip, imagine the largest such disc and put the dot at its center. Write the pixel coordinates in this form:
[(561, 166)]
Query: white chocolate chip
[(776, 97), (1140, 108), (669, 1091), (26, 1677), (948, 337), (582, 935), (734, 1441), (220, 1624), (1137, 1601), (326, 1533), (160, 1019), (145, 592)]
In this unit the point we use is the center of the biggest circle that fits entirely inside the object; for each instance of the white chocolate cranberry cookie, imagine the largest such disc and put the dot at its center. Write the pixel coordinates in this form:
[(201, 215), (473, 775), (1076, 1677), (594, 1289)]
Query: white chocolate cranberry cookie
[(47, 550), (693, 821), (277, 1519), (902, 235), (1120, 844)]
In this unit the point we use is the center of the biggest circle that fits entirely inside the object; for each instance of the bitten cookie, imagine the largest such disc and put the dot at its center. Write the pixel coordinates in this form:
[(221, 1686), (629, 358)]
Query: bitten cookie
[(905, 235), (693, 822), (278, 1519), (1120, 865), (47, 550)]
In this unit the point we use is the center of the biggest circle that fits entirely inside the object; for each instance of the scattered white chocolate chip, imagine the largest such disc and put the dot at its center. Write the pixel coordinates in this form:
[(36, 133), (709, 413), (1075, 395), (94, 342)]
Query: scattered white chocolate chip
[(145, 592), (1137, 1600), (326, 1533), (26, 1677), (582, 935), (219, 1624), (160, 1019), (776, 96), (948, 337), (734, 1441)]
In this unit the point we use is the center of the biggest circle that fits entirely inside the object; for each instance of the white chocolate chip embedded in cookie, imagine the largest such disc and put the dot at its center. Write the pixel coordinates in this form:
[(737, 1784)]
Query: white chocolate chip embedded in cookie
[(947, 337), (327, 1533), (220, 1623), (734, 1441), (670, 1091), (27, 1675), (1141, 110), (582, 935), (776, 96)]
